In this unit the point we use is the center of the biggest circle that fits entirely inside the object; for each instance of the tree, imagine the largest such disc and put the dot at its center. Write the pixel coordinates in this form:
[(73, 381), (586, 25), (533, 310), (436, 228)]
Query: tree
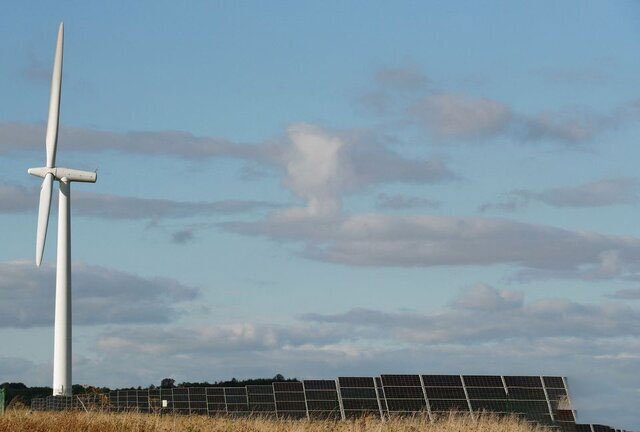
[(168, 383)]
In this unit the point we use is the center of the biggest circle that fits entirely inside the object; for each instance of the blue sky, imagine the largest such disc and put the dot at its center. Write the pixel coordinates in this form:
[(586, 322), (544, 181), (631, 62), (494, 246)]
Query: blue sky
[(331, 188)]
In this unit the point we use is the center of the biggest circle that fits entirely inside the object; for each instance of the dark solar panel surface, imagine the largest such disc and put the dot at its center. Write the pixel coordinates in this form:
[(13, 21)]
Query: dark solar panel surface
[(359, 396), (260, 399), (483, 381), (442, 380), (402, 394), (445, 393), (322, 399), (290, 399)]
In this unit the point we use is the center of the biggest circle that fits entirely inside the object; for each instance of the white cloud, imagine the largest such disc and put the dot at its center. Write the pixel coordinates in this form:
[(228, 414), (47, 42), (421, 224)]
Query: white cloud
[(423, 241), (451, 115), (321, 165)]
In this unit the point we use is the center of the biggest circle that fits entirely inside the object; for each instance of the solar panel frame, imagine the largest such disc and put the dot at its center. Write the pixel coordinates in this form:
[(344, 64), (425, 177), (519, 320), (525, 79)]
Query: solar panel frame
[(446, 405), (522, 381), (442, 380), (482, 381), (237, 401), (358, 396), (444, 393), (323, 400), (290, 400), (403, 395), (261, 399)]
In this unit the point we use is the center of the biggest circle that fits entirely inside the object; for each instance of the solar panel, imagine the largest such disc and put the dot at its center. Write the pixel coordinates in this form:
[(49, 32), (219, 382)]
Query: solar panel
[(529, 407), (601, 428), (483, 381), (522, 381), (445, 393), (181, 400), (558, 397), (215, 401), (440, 405), (290, 400), (260, 399), (401, 380), (197, 400), (236, 400), (527, 393), (553, 382), (355, 381), (403, 394), (155, 403), (359, 396), (322, 399), (319, 384), (486, 393), (442, 380), (142, 397), (496, 406)]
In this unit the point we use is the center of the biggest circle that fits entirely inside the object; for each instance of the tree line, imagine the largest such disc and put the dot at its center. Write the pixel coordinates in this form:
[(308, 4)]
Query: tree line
[(19, 393)]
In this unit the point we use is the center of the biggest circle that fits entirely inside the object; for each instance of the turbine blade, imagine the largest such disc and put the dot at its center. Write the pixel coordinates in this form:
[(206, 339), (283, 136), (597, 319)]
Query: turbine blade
[(43, 216), (54, 101)]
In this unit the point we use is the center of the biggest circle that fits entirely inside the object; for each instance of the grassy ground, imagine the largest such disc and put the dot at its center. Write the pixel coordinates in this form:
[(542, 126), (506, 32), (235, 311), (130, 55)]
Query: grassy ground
[(21, 420)]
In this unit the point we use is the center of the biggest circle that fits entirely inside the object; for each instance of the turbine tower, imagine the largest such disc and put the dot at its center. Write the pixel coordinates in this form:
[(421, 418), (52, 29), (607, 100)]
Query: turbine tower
[(64, 176)]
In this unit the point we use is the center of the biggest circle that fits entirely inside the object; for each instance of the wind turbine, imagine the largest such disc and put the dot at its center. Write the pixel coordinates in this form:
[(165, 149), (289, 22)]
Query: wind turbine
[(64, 176)]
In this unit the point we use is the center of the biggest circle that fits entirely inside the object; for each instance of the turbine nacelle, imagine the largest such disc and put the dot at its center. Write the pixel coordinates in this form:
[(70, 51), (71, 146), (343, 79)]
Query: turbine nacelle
[(70, 175)]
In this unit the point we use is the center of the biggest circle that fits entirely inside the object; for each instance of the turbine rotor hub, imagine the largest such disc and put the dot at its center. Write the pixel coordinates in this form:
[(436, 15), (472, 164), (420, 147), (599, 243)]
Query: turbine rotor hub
[(65, 173)]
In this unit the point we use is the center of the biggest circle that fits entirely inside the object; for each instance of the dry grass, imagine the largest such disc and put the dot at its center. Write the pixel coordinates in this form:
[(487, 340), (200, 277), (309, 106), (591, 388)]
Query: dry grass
[(20, 420)]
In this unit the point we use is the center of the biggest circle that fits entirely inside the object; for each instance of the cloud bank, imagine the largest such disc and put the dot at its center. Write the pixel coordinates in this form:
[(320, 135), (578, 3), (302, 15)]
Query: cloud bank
[(101, 296), (600, 193)]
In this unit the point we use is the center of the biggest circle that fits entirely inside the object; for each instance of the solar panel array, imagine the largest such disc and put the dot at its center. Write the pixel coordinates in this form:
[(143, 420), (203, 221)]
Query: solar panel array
[(544, 400)]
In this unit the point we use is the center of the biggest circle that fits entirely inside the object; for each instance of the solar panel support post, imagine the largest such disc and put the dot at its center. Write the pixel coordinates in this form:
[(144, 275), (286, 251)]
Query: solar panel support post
[(504, 384), (546, 396), (224, 395), (275, 404), (566, 389), (426, 399), (375, 387), (306, 404), (466, 395), (384, 394), (189, 400), (342, 416), (506, 392)]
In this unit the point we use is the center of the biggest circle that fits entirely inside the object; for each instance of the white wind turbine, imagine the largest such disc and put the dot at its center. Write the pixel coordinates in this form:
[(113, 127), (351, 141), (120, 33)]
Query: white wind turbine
[(64, 176)]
